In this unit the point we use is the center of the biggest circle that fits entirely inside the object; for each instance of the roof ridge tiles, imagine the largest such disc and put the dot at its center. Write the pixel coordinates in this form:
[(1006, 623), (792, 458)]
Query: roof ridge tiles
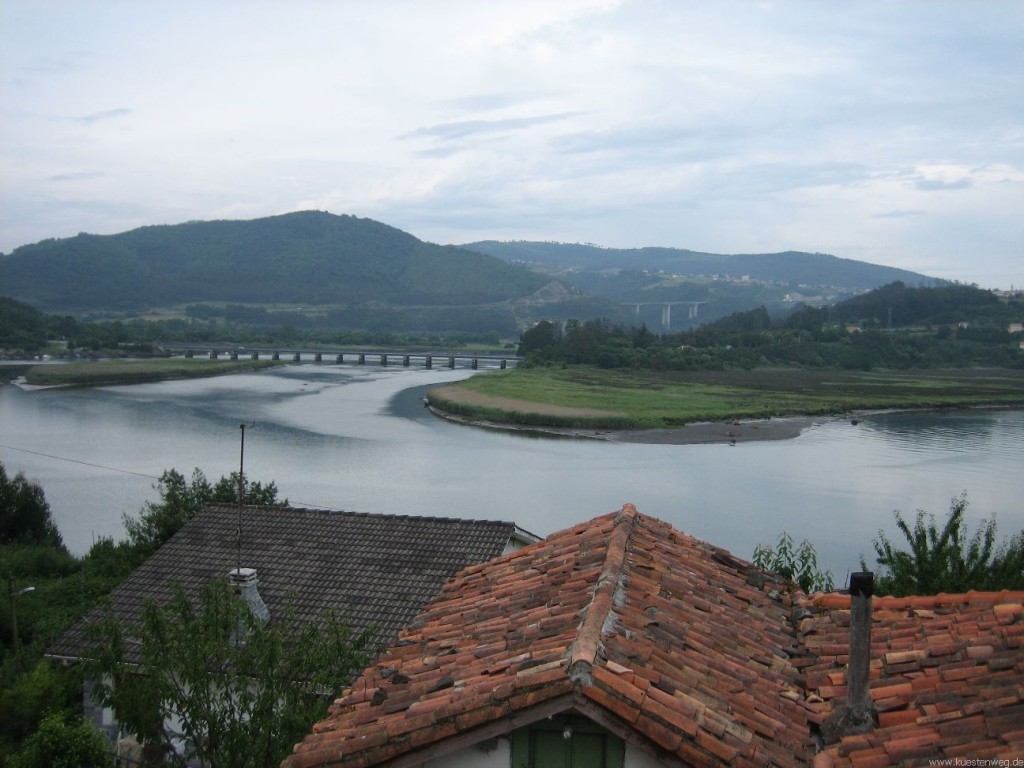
[(889, 602), (584, 651), (231, 506)]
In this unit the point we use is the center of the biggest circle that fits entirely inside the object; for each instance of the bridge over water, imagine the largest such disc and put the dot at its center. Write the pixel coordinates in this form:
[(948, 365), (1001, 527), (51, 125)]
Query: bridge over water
[(406, 359)]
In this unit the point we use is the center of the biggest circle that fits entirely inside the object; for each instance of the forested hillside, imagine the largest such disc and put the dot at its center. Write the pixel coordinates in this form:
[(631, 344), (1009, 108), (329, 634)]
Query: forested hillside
[(795, 268), (307, 258)]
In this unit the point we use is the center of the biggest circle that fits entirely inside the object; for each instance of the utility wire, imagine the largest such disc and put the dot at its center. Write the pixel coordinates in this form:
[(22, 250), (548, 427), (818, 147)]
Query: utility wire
[(77, 461), (139, 474)]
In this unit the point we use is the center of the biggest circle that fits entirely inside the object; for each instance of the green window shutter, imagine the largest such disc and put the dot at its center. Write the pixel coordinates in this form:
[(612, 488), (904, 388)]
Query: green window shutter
[(544, 745)]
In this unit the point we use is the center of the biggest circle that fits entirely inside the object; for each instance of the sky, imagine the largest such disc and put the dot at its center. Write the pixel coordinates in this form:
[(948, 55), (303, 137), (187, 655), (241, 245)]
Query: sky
[(887, 132)]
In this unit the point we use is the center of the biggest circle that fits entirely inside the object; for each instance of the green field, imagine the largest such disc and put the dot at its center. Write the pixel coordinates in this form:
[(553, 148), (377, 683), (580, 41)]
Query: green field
[(105, 372), (647, 399)]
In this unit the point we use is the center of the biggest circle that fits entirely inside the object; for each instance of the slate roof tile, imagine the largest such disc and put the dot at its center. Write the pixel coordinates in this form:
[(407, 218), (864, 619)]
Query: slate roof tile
[(373, 570)]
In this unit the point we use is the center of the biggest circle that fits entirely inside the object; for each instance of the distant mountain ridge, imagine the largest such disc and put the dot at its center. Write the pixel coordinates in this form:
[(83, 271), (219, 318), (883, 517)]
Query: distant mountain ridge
[(309, 258), (797, 267)]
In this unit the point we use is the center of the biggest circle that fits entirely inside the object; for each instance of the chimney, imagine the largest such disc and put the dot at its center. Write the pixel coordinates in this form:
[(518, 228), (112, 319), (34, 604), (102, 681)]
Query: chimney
[(858, 714), (243, 581)]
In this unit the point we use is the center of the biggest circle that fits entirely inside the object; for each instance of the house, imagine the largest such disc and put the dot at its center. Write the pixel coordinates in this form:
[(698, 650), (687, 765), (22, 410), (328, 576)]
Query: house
[(372, 570), (623, 643)]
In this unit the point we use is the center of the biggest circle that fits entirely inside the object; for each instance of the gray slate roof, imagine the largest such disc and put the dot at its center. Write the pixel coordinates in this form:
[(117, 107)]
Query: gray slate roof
[(372, 569)]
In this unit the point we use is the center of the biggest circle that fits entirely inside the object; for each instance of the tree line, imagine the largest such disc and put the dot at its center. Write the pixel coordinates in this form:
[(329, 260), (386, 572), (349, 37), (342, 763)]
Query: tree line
[(892, 327), (25, 332)]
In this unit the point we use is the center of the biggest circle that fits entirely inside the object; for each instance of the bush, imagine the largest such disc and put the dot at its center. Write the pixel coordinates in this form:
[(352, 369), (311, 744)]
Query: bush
[(798, 564), (64, 743), (946, 560)]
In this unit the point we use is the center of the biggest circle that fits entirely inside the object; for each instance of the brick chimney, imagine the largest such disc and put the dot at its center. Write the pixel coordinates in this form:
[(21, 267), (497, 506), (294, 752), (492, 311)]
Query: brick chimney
[(858, 714)]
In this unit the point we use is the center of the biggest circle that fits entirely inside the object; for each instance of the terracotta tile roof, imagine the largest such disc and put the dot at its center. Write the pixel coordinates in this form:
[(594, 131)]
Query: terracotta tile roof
[(667, 641), (947, 676), (374, 570)]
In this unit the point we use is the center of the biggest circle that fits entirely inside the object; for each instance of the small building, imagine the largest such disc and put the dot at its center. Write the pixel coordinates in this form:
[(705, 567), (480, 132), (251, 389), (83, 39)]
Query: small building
[(372, 570), (623, 643)]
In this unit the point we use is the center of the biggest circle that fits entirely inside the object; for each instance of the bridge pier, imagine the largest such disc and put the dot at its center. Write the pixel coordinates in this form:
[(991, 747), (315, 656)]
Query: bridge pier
[(213, 354), (340, 358), (188, 354), (318, 358), (362, 359), (296, 357), (383, 359), (504, 364), (428, 362), (254, 355), (451, 362), (405, 361), (474, 363), (233, 354)]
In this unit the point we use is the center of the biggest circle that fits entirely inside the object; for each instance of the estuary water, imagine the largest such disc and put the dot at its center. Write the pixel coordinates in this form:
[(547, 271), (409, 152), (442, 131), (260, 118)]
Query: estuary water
[(358, 438)]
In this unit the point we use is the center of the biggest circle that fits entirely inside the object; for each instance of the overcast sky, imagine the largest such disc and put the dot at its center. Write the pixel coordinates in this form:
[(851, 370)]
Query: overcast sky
[(888, 132)]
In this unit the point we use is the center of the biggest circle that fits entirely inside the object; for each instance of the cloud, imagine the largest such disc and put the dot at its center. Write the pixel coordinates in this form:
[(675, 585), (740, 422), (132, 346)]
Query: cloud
[(107, 114), (899, 214), (76, 176), (932, 185), (467, 128)]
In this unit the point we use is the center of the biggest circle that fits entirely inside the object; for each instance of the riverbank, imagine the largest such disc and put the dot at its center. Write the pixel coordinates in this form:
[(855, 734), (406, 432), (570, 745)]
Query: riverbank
[(102, 373), (701, 433), (707, 406)]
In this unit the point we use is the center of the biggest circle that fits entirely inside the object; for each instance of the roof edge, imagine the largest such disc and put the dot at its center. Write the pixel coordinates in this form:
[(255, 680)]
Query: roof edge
[(583, 652), (883, 602)]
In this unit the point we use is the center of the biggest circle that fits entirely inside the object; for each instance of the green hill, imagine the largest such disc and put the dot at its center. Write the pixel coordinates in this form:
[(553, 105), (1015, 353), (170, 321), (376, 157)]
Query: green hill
[(791, 267), (307, 258)]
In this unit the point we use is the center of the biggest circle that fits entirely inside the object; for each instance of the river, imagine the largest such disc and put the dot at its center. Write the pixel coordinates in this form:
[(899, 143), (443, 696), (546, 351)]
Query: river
[(357, 438)]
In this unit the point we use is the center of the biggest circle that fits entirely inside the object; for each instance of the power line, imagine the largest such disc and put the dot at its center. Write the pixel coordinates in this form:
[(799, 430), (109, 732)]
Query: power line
[(77, 461), (295, 503)]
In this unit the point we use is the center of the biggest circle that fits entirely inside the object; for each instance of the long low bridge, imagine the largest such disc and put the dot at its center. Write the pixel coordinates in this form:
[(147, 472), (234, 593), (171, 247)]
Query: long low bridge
[(425, 359)]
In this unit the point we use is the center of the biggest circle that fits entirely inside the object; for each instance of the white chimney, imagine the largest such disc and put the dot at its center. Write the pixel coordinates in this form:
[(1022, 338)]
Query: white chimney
[(244, 583)]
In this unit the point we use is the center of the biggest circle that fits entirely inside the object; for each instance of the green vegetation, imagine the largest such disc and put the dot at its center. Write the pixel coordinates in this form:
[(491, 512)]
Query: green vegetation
[(64, 588), (751, 366), (181, 500), (656, 399), (106, 372), (796, 563), (951, 327), (64, 741), (26, 332), (246, 691), (308, 258), (946, 560), (633, 282)]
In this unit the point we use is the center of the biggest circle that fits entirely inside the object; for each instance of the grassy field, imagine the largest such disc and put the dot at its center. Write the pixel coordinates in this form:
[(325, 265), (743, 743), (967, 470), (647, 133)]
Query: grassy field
[(106, 372), (557, 397)]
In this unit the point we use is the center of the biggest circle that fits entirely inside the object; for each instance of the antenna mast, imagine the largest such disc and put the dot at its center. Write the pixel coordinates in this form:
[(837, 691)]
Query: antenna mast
[(241, 497)]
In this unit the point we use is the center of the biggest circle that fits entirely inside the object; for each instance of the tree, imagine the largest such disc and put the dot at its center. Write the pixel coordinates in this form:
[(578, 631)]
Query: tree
[(25, 514), (181, 500), (947, 560), (241, 702), (796, 563)]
